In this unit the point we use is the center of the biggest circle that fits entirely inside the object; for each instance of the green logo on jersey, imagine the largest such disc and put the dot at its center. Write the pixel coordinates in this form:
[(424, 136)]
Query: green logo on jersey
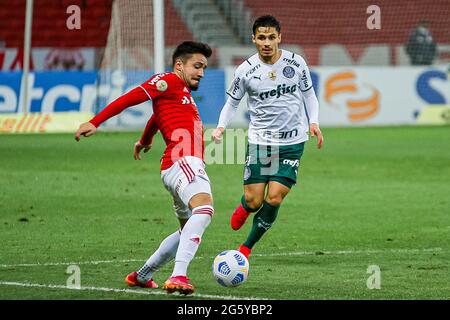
[(281, 90)]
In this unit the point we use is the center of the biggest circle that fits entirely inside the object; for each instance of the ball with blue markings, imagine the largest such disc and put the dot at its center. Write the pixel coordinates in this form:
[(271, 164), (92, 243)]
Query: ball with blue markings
[(230, 268)]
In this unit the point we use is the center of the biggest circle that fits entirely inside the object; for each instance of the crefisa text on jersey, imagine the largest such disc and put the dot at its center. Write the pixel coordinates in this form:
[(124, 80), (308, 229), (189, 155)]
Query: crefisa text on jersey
[(292, 61), (279, 91)]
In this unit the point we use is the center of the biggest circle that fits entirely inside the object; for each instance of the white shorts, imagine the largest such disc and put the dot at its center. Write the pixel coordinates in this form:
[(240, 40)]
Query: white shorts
[(184, 179)]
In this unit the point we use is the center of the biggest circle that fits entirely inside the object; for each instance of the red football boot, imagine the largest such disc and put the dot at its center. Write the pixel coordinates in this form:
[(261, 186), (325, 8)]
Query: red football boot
[(132, 281), (180, 284), (239, 217)]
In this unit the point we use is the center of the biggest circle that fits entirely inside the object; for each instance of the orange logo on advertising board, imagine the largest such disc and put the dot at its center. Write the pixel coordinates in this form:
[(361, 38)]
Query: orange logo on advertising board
[(36, 122), (345, 82), (26, 123)]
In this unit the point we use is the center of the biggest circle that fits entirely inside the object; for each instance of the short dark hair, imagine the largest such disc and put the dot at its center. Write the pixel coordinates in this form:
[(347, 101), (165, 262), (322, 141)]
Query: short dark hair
[(186, 49), (266, 21)]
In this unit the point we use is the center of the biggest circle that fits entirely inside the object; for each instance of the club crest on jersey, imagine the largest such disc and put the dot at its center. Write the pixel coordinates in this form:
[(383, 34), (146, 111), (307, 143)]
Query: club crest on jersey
[(272, 75), (288, 72), (161, 85)]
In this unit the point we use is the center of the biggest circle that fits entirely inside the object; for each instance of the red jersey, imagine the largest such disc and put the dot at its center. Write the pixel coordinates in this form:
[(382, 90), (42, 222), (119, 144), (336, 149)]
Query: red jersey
[(175, 114)]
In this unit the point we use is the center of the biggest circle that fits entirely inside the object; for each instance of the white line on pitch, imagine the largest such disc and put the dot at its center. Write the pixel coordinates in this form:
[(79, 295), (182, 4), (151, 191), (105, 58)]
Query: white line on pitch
[(153, 292), (277, 254), (319, 252), (46, 264)]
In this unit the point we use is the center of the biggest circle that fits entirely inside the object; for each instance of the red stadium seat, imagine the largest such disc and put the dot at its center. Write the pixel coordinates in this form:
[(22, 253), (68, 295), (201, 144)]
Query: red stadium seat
[(49, 24), (309, 23)]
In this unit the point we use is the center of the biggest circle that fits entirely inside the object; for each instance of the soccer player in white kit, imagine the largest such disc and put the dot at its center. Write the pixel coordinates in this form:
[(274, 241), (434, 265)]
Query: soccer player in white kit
[(283, 107)]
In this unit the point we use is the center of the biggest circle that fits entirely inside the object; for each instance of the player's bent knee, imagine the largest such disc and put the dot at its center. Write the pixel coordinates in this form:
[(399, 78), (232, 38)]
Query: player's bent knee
[(200, 199), (254, 195), (253, 203), (274, 200)]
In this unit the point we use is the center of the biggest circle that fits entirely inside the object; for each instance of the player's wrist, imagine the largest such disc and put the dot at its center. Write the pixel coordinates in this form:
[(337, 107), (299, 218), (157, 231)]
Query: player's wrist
[(145, 143), (94, 123)]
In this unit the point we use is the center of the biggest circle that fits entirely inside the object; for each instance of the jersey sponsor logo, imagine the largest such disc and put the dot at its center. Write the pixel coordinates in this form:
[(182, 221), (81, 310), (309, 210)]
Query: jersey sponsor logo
[(235, 85), (157, 78), (252, 70), (278, 92), (257, 77), (292, 61), (280, 134), (272, 75), (188, 100), (304, 79), (288, 72), (161, 85), (292, 163), (185, 100)]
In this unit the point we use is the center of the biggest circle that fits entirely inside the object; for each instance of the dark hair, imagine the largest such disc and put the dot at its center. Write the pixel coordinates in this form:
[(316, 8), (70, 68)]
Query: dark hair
[(266, 21), (187, 48)]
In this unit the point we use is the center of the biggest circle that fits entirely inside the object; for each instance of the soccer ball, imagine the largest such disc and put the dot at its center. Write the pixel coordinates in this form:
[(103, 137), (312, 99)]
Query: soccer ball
[(230, 268)]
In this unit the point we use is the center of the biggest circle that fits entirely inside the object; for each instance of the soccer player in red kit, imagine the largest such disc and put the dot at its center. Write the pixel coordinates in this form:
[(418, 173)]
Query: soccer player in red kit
[(182, 168)]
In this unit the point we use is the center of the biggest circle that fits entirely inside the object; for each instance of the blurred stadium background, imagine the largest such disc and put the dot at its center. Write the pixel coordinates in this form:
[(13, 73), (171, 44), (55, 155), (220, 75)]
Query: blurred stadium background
[(362, 72)]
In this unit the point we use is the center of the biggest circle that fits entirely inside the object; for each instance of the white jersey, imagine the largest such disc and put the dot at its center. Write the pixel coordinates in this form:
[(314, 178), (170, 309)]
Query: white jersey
[(275, 98)]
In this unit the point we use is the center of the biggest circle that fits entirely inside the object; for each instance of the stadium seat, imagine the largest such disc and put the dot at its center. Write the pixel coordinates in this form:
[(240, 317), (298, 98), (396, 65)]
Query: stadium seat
[(49, 21), (309, 23)]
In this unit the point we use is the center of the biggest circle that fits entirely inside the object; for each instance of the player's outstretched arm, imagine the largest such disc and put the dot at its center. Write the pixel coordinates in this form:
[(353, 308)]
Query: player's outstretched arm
[(134, 97), (86, 129), (315, 131)]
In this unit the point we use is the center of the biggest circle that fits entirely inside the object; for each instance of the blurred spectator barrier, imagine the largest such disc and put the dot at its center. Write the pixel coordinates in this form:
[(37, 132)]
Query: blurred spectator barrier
[(348, 96)]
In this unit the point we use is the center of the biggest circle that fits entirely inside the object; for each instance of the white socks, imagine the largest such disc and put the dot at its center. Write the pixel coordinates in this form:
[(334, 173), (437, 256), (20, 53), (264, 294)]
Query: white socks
[(190, 238), (166, 252), (181, 246)]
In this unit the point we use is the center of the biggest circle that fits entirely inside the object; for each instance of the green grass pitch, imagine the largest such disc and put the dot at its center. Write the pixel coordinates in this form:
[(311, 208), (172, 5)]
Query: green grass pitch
[(372, 196)]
